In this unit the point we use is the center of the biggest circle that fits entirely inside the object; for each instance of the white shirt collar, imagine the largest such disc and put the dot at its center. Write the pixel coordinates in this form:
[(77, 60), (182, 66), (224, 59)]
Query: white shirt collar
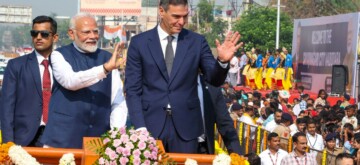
[(39, 57), (163, 34)]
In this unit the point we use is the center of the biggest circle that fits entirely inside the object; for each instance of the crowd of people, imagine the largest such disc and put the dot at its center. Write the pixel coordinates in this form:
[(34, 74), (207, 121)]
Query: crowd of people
[(319, 125)]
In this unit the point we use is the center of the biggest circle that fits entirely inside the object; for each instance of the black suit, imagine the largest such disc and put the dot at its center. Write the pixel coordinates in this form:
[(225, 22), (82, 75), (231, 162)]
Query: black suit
[(215, 111)]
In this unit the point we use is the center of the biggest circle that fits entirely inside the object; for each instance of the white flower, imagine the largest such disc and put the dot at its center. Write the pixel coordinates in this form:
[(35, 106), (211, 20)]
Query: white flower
[(20, 157), (222, 159), (67, 159), (190, 161)]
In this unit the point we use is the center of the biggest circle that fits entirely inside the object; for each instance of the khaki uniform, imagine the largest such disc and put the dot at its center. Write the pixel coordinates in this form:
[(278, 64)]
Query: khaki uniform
[(284, 134), (330, 156)]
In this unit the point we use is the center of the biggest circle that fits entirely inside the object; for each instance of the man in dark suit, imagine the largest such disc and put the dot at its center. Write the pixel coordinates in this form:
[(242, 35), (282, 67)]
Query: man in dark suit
[(161, 77), (27, 88), (215, 112)]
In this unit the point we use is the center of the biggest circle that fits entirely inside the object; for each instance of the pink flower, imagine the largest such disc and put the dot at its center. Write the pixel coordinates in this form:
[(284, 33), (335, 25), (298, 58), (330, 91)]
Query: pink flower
[(117, 142), (113, 134), (106, 140), (136, 161), (126, 152), (124, 160), (146, 162), (113, 163), (113, 155), (129, 145), (119, 150), (133, 138), (143, 138), (124, 138), (154, 155), (155, 163), (142, 145), (108, 151), (122, 130), (136, 153), (147, 154), (101, 160)]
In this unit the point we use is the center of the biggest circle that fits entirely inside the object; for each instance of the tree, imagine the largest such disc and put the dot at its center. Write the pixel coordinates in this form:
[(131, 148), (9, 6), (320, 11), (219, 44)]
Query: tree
[(218, 29), (298, 9), (258, 28), (205, 10)]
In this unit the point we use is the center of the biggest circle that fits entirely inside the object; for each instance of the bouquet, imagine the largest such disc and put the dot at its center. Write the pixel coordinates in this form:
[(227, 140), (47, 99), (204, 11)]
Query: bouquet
[(122, 146)]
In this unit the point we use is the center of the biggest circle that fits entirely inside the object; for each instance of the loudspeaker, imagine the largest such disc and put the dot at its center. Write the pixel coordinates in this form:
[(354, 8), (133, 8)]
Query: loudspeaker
[(339, 79)]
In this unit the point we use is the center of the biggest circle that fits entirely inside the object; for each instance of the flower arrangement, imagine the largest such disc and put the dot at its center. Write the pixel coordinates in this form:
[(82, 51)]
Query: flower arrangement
[(290, 144), (67, 159), (247, 143), (126, 146), (258, 140), (323, 162), (265, 140), (19, 156), (241, 127), (222, 159), (4, 156)]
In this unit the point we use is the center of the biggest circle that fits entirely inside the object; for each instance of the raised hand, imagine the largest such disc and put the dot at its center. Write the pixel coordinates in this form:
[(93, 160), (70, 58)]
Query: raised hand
[(113, 62), (227, 49)]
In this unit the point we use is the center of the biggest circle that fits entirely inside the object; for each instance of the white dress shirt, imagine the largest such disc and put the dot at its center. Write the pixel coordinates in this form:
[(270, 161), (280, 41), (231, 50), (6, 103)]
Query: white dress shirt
[(234, 65), (40, 58), (315, 142), (65, 75), (269, 159), (271, 126)]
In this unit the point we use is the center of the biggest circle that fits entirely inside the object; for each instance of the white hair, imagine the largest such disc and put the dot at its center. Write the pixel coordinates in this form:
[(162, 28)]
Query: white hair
[(77, 17)]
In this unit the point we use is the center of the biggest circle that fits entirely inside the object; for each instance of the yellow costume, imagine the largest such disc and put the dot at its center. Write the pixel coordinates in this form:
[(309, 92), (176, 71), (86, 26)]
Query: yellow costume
[(287, 82)]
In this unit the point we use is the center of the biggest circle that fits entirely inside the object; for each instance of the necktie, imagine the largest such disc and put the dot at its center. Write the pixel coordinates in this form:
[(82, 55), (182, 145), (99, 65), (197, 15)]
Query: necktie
[(169, 54), (46, 86)]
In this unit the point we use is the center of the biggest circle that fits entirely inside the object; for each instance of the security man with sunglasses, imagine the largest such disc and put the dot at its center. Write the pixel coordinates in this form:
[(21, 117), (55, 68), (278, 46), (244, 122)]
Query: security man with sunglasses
[(27, 88)]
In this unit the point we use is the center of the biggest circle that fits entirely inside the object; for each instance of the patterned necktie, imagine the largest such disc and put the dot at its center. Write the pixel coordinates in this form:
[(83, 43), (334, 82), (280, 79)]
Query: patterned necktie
[(46, 86), (169, 54)]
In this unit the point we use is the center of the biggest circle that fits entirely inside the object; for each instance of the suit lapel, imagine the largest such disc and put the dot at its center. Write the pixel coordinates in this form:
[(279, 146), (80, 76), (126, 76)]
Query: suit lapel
[(181, 49), (155, 50), (34, 68)]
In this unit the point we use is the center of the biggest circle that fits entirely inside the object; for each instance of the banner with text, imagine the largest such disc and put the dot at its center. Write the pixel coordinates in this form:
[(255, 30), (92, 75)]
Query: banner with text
[(111, 7), (319, 43)]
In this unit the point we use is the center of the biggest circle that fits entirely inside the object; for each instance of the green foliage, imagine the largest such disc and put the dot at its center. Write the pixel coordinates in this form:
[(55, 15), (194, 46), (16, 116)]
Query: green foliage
[(317, 8), (205, 10), (218, 29), (63, 26), (21, 35), (258, 28)]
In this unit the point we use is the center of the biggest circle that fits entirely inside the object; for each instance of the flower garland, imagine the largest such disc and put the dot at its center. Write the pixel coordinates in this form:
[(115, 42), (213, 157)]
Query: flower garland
[(190, 162), (324, 157), (265, 140), (222, 159), (19, 156), (307, 149), (290, 144), (67, 159), (258, 139), (241, 127), (247, 143), (4, 150)]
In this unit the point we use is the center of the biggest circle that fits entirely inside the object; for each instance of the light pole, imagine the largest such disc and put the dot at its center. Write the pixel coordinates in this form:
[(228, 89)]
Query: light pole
[(278, 24)]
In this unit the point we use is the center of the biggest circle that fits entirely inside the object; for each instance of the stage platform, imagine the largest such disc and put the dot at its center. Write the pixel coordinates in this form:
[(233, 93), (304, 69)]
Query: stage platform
[(294, 94)]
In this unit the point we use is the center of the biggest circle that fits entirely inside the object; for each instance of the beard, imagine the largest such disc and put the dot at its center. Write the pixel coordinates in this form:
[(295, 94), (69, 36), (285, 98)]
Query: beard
[(84, 47)]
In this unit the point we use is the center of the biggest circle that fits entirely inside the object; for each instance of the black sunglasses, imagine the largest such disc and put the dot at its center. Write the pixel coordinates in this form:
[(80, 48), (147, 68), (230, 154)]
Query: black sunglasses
[(44, 33)]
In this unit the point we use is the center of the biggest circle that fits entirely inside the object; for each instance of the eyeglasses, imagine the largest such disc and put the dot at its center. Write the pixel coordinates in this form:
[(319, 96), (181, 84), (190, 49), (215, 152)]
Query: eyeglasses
[(44, 33)]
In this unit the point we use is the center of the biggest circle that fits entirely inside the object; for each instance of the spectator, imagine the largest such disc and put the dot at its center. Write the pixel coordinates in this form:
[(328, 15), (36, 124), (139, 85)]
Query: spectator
[(321, 98), (344, 159), (300, 126), (273, 154), (314, 140), (283, 129), (350, 118), (346, 102), (331, 150), (299, 155), (236, 112), (275, 122)]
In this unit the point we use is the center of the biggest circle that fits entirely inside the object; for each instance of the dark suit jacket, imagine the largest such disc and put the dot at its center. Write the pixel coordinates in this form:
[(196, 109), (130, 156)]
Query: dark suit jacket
[(21, 101), (215, 111), (149, 89)]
